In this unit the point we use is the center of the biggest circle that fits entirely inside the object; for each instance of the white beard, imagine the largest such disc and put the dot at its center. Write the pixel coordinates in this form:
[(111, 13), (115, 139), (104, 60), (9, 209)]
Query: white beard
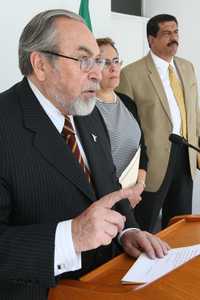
[(78, 107), (81, 107)]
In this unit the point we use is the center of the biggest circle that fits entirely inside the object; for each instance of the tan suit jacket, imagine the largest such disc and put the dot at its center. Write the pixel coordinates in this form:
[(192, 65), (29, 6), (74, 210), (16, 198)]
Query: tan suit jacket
[(141, 81)]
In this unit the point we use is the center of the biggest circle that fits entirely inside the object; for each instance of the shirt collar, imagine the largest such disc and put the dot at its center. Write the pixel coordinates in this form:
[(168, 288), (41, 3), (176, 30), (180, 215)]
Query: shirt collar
[(53, 113), (160, 63)]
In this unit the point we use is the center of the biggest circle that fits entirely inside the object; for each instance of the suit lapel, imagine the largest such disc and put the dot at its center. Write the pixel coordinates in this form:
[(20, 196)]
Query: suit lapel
[(49, 142), (91, 142), (157, 83), (97, 148)]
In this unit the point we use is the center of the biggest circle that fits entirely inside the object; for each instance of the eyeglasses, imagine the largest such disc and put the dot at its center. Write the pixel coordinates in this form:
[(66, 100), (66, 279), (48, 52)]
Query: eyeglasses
[(86, 63), (114, 61)]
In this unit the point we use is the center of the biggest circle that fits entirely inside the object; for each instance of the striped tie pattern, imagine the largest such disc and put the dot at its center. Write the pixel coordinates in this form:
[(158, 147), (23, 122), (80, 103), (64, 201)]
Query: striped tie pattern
[(178, 94), (69, 135)]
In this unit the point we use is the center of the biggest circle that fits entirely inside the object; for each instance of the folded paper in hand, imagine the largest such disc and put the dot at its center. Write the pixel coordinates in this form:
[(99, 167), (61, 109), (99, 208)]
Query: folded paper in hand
[(130, 174)]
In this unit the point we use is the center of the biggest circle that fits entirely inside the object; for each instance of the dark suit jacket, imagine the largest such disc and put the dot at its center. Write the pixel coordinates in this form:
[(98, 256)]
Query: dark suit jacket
[(41, 185)]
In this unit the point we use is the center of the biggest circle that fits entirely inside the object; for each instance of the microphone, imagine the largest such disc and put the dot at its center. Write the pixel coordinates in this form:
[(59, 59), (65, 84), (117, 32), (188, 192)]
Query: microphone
[(175, 138)]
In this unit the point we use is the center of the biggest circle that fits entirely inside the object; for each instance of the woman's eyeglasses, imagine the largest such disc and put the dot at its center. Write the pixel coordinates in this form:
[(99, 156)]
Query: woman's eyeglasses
[(114, 61)]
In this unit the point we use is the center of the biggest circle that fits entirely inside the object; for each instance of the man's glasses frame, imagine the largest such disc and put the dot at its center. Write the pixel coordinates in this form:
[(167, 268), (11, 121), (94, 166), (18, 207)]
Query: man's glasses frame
[(86, 63)]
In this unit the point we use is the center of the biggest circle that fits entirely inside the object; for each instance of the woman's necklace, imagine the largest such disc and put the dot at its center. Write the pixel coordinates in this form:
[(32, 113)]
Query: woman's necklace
[(111, 102)]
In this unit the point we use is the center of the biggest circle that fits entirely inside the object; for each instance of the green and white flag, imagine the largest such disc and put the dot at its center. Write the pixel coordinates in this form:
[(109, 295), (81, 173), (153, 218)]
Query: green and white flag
[(84, 13)]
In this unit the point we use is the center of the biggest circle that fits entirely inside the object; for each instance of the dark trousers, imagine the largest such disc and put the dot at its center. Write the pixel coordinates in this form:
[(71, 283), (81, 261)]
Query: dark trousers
[(174, 196)]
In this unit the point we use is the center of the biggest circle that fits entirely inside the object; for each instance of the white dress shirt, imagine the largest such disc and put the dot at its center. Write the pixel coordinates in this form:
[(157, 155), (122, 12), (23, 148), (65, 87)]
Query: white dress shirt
[(65, 257), (162, 68)]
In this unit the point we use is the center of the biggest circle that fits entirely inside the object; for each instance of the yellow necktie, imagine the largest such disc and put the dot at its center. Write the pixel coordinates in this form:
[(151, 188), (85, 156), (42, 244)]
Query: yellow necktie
[(178, 94)]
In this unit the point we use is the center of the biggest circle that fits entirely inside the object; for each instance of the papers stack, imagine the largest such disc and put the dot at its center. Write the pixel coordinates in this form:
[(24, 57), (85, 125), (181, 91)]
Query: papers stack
[(146, 270)]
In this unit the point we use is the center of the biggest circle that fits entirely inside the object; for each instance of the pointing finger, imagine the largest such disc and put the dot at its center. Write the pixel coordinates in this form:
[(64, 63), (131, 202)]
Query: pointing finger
[(111, 199)]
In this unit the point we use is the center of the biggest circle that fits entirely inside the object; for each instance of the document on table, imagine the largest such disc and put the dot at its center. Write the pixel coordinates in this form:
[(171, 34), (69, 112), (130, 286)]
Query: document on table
[(146, 270), (130, 174)]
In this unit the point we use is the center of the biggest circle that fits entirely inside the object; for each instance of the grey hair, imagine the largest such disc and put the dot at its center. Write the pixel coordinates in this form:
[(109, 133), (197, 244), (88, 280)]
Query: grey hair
[(40, 35)]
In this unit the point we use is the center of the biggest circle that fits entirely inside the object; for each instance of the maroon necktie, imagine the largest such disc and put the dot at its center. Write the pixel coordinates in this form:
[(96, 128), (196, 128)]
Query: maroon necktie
[(69, 135)]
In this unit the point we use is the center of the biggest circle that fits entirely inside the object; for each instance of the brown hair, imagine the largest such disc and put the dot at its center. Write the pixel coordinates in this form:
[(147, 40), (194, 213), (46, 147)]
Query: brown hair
[(106, 41)]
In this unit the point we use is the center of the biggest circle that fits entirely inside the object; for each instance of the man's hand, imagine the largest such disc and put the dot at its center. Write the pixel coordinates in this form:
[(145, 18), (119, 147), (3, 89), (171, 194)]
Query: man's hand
[(99, 224), (135, 242)]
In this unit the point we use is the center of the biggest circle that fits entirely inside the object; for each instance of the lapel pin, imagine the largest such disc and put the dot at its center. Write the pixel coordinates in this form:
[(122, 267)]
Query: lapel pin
[(94, 137)]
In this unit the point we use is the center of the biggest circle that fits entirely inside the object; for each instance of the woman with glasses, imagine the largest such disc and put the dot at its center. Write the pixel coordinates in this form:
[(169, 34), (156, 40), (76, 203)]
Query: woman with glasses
[(120, 115)]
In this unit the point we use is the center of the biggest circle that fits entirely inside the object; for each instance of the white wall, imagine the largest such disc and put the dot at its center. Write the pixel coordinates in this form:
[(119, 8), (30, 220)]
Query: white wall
[(15, 14), (187, 13)]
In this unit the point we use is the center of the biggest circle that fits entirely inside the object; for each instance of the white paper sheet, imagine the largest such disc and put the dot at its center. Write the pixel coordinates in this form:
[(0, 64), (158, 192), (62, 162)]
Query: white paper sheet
[(146, 270), (129, 176)]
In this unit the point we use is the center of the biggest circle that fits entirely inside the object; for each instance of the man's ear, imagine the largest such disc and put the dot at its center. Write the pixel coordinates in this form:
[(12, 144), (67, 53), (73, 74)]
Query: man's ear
[(38, 62), (150, 40)]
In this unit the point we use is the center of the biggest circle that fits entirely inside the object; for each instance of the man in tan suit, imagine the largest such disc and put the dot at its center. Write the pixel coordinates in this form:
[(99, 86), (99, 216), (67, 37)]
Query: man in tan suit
[(165, 105)]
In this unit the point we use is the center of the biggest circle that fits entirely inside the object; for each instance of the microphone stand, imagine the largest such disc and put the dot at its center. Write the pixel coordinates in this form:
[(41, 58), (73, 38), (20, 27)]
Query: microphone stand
[(181, 140)]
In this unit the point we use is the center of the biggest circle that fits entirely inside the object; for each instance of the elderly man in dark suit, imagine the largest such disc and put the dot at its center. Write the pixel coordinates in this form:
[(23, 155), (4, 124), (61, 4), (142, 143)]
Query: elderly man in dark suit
[(51, 224)]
